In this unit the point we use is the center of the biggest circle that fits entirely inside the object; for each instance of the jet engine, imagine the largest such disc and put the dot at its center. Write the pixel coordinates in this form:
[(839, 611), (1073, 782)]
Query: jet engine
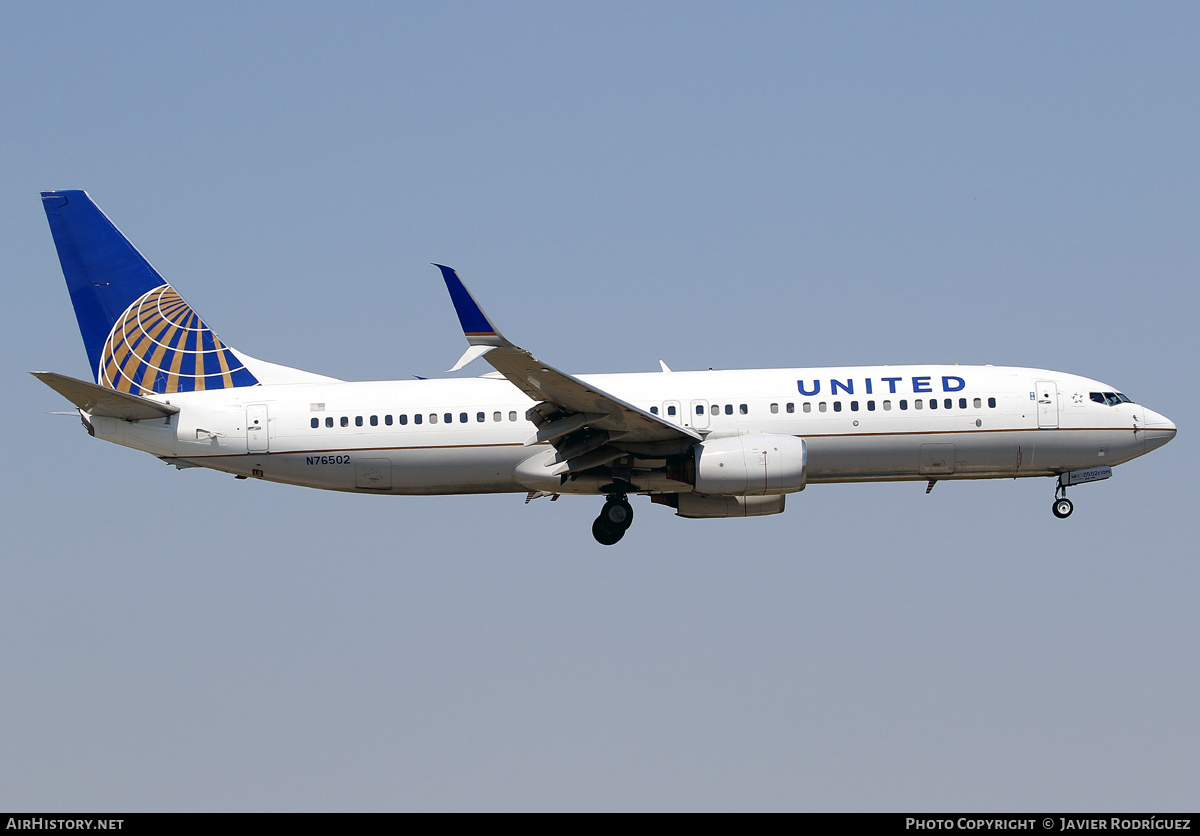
[(750, 465), (693, 506)]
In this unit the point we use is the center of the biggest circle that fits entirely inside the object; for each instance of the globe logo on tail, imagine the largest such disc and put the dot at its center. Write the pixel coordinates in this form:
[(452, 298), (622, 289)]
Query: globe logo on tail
[(160, 345)]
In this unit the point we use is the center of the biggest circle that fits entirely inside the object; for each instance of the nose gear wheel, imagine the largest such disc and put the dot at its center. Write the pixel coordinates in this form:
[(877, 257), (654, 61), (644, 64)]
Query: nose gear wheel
[(1062, 506)]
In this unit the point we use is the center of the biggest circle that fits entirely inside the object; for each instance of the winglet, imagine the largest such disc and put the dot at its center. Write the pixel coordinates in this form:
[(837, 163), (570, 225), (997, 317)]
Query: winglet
[(475, 324), (473, 352), (477, 328)]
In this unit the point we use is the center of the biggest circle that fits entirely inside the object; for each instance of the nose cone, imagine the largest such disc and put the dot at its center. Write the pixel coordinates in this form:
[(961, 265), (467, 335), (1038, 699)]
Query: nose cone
[(1158, 430)]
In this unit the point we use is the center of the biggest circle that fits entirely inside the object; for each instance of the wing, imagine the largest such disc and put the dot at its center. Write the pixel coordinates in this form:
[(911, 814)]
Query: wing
[(587, 426)]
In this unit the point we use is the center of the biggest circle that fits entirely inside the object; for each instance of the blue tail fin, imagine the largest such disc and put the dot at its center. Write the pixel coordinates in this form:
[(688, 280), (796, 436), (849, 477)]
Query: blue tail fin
[(140, 335)]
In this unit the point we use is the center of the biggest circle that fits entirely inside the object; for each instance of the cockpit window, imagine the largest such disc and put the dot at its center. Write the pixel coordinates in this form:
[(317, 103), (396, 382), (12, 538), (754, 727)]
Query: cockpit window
[(1109, 398)]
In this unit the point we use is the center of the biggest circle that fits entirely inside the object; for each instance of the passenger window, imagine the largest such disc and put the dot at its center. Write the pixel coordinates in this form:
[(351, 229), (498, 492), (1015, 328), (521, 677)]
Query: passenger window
[(404, 419), (462, 417), (807, 406), (821, 406), (870, 406), (496, 416), (714, 410), (387, 419), (374, 420), (480, 417), (728, 409), (887, 406), (918, 404), (791, 408), (671, 410), (933, 403), (654, 410), (358, 420), (978, 403), (418, 418), (316, 422), (744, 409), (345, 422), (854, 406), (992, 403), (962, 403), (903, 404), (837, 406), (774, 409), (433, 417), (448, 417), (948, 403), (329, 422), (512, 416)]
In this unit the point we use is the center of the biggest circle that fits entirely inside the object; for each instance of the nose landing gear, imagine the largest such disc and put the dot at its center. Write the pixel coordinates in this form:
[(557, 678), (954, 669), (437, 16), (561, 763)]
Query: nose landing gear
[(614, 520), (1062, 506)]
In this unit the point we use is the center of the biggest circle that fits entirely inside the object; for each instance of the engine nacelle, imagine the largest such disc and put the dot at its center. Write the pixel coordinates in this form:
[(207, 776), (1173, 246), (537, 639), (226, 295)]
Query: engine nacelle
[(696, 507), (751, 465)]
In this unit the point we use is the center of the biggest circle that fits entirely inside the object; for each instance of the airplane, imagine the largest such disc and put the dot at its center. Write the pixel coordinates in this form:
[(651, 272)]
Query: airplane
[(707, 444)]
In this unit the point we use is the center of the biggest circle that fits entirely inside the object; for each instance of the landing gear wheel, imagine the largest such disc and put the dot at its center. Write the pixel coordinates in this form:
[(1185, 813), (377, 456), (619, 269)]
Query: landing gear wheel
[(605, 534), (617, 513), (1062, 508)]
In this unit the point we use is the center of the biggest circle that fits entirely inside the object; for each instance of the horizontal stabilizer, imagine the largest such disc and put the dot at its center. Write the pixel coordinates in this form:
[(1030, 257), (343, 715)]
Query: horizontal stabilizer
[(100, 400)]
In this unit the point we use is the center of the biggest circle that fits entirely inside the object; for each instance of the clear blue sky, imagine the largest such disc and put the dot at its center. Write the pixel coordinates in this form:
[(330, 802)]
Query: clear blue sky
[(770, 184)]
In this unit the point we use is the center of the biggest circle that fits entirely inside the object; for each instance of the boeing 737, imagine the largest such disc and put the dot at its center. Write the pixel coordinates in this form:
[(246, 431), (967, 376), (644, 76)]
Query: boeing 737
[(705, 443)]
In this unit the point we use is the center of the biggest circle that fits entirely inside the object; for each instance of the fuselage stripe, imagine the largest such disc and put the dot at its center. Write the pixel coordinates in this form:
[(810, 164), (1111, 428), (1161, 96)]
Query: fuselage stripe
[(931, 433)]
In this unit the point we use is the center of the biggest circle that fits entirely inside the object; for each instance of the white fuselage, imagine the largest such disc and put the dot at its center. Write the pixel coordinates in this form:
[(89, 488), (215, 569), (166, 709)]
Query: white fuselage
[(450, 436)]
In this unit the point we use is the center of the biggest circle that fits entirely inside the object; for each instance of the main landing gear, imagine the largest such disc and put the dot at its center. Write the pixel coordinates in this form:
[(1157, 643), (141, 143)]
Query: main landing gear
[(614, 520), (1062, 506)]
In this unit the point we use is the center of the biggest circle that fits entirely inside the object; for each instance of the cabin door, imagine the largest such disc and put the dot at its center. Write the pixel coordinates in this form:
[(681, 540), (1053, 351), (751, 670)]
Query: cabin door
[(1047, 405), (258, 431)]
